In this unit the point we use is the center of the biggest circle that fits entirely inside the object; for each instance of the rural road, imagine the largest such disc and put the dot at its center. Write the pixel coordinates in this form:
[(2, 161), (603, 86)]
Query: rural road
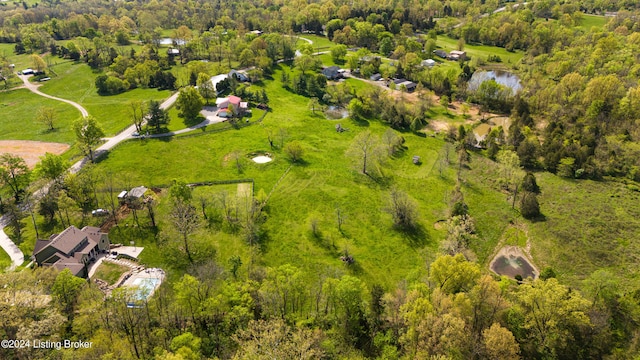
[(34, 88), (16, 255)]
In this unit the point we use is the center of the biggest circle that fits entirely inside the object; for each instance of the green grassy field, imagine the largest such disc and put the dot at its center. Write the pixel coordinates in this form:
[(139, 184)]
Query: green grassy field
[(5, 260), (588, 21), (320, 43), (483, 51), (77, 82), (309, 191), (588, 225), (18, 108)]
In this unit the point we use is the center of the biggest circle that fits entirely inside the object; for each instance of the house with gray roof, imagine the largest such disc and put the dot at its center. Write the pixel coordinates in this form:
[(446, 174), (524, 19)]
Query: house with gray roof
[(72, 249)]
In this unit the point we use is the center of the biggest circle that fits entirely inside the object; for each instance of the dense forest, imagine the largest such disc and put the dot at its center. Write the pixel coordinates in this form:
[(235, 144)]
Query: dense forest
[(578, 116)]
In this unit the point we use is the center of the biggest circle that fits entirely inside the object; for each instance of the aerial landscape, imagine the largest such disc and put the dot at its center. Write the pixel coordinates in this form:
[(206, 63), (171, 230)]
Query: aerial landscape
[(319, 179)]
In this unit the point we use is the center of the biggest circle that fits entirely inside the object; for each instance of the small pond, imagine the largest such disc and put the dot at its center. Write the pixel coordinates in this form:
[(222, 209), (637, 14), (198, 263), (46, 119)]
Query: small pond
[(511, 265), (505, 78)]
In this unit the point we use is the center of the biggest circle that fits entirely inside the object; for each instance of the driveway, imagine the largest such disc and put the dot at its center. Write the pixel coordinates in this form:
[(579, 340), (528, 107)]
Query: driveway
[(17, 257), (34, 89)]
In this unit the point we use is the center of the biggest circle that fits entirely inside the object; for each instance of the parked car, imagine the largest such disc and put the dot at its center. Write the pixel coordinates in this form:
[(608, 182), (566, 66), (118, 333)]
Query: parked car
[(100, 212)]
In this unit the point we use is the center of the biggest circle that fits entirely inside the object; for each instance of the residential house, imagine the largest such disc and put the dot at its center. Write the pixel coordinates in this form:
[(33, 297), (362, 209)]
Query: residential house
[(72, 249), (410, 86), (375, 77), (173, 52), (332, 72), (457, 55), (441, 53), (428, 63), (238, 107)]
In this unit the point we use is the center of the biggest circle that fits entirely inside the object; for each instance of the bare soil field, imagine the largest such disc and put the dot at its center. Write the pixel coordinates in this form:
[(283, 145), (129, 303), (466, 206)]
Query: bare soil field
[(31, 151)]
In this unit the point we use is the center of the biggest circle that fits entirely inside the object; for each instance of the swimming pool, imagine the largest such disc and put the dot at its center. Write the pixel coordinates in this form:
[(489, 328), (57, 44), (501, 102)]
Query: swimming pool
[(144, 289)]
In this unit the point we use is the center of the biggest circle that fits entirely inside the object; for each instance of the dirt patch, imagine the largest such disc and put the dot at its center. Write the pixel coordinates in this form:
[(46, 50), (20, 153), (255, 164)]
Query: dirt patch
[(31, 151)]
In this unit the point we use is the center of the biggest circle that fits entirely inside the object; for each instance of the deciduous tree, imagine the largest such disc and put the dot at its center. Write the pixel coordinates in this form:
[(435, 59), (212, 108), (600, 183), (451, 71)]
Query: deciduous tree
[(366, 152), (46, 115), (189, 103), (88, 133)]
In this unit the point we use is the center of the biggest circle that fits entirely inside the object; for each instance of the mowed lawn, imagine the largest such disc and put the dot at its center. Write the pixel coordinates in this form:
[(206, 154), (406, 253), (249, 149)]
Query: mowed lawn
[(75, 81), (483, 51), (18, 120), (588, 21)]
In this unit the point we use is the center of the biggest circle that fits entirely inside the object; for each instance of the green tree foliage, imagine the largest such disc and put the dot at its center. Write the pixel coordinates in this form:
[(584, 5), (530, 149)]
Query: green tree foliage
[(46, 115), (453, 274), (338, 53), (66, 289), (552, 317), (205, 87), (294, 151), (530, 184), (403, 210), (156, 116), (14, 174), (51, 167), (89, 133), (189, 103), (366, 153), (529, 206)]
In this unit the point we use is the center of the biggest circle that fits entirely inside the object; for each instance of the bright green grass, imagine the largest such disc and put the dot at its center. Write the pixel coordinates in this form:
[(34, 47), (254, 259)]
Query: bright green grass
[(77, 82), (483, 51), (514, 236), (110, 272), (312, 190), (18, 108), (320, 43), (590, 225), (5, 260), (588, 21)]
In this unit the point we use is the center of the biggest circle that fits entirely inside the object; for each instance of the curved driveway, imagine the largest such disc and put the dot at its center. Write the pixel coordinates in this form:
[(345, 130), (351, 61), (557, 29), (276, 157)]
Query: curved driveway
[(34, 88)]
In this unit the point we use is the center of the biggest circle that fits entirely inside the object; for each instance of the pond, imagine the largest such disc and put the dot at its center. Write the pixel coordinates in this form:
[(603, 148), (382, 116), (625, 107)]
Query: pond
[(511, 266), (511, 261), (505, 78)]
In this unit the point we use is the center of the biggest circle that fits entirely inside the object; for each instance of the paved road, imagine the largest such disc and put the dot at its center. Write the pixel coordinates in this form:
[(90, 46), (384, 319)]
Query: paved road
[(34, 88), (17, 257)]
